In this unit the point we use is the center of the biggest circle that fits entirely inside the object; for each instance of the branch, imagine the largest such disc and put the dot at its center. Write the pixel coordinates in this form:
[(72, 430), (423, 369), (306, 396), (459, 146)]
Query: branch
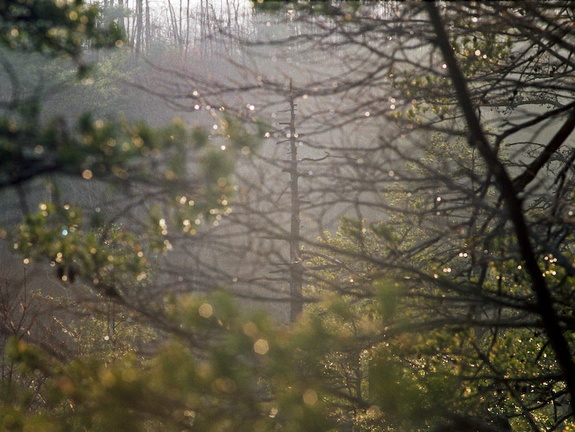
[(513, 203), (534, 167)]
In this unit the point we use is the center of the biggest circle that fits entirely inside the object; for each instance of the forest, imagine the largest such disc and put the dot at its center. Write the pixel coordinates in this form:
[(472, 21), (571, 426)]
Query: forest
[(238, 215)]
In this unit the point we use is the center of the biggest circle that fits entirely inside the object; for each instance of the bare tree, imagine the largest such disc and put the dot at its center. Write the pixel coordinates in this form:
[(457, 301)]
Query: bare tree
[(447, 133)]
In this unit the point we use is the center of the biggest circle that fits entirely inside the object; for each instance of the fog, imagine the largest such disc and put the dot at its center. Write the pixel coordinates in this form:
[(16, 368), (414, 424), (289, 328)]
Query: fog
[(196, 60)]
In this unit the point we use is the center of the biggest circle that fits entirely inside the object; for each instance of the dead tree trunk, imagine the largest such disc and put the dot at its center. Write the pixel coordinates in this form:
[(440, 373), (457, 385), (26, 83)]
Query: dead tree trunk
[(296, 268)]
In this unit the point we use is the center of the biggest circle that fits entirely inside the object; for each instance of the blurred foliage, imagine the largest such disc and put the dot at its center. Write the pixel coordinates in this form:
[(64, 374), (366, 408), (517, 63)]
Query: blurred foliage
[(243, 380), (180, 178), (106, 155), (55, 28)]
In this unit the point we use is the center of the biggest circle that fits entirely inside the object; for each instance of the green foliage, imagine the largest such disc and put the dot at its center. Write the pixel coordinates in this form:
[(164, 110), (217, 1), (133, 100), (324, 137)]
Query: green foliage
[(245, 379), (355, 358), (422, 96), (186, 177), (396, 358), (55, 28), (120, 154)]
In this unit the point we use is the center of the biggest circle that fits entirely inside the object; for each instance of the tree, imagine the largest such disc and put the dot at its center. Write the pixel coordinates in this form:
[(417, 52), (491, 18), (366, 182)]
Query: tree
[(478, 211), (467, 215), (103, 254), (443, 302)]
